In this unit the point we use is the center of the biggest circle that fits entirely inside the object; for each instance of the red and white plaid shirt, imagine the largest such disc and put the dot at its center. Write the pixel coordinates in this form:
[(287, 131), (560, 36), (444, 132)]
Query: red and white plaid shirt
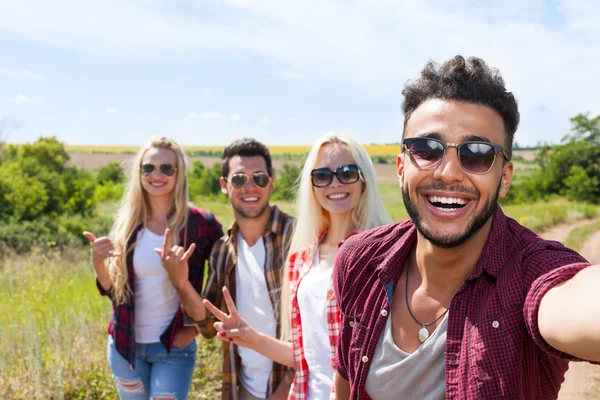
[(300, 264)]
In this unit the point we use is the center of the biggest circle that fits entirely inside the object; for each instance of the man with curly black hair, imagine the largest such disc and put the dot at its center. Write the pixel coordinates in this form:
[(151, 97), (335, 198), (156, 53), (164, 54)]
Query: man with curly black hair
[(460, 301)]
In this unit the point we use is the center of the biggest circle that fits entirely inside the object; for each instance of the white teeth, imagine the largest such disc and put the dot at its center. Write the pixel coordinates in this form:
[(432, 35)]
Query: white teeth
[(447, 200), (337, 196), (447, 209), (251, 199)]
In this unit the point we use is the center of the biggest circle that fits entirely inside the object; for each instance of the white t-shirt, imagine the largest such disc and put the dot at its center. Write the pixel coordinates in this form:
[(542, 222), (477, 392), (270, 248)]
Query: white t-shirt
[(254, 305), (156, 300), (312, 301)]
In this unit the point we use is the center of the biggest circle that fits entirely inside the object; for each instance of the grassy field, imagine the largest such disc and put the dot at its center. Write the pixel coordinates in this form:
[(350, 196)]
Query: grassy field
[(53, 321)]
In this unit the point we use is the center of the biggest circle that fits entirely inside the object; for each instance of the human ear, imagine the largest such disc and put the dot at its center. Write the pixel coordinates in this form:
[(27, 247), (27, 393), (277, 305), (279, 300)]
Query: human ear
[(506, 179)]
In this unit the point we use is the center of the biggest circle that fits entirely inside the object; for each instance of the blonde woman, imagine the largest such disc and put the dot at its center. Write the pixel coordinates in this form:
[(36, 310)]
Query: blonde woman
[(337, 197), (150, 352)]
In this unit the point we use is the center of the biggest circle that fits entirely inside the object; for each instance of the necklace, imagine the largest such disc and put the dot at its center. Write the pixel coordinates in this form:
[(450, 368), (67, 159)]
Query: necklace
[(423, 333)]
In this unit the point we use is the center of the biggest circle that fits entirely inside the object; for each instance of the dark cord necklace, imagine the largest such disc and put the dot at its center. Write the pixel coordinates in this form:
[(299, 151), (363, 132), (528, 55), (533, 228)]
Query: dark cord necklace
[(423, 333)]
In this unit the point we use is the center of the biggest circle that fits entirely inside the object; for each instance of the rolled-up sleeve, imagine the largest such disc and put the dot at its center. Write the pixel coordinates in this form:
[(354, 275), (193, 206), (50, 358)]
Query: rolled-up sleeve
[(536, 293)]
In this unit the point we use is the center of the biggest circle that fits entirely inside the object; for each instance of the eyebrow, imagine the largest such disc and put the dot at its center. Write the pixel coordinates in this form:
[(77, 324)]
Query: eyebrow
[(464, 138)]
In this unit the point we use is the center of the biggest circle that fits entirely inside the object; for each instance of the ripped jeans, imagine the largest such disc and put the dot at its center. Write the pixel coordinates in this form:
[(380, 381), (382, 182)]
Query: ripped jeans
[(157, 375)]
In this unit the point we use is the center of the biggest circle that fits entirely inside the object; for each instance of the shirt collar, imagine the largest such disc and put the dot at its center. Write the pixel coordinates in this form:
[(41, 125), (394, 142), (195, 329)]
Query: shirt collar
[(272, 225), (491, 261), (495, 253)]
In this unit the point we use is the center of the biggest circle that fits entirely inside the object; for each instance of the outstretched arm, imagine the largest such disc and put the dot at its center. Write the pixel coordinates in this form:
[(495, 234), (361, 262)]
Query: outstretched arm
[(235, 329), (569, 315)]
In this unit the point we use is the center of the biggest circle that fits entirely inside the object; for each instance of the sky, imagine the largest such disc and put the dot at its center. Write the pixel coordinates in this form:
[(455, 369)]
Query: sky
[(205, 72)]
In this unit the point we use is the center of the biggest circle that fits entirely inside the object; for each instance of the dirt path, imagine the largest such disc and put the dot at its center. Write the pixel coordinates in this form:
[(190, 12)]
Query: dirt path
[(582, 379)]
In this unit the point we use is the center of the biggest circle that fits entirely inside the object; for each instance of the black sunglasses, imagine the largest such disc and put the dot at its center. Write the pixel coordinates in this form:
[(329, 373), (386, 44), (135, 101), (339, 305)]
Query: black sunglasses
[(474, 157), (167, 169), (239, 180), (345, 174)]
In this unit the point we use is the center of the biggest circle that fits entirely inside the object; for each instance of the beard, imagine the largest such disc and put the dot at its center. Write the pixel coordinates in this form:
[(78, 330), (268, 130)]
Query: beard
[(473, 226), (249, 215)]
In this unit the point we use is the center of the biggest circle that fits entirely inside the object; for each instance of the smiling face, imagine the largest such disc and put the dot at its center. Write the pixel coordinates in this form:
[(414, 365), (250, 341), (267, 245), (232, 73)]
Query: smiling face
[(250, 201), (447, 204), (337, 198), (157, 184)]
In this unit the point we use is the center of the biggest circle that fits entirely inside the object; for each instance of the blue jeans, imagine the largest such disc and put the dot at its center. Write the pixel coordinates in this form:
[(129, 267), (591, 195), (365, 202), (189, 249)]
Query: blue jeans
[(156, 374)]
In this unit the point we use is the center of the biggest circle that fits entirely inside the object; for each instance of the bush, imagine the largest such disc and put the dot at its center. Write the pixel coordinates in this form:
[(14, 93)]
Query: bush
[(579, 186), (111, 173), (109, 191), (286, 182)]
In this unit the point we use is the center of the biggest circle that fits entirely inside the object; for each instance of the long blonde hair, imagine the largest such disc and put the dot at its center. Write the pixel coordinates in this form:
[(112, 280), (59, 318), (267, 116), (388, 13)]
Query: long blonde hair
[(135, 210), (313, 219)]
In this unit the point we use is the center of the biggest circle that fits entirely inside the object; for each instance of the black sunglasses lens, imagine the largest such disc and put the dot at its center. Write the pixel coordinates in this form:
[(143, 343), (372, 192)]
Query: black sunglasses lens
[(347, 174), (321, 177), (477, 158), (426, 152), (239, 180), (261, 179), (167, 169), (147, 169)]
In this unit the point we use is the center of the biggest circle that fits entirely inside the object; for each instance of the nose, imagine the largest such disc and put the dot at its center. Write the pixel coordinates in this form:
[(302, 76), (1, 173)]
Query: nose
[(449, 170), (335, 181)]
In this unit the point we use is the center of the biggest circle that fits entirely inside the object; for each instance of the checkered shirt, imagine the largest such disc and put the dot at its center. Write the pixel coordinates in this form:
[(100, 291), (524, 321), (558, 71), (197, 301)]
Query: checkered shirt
[(494, 348), (202, 229), (223, 261)]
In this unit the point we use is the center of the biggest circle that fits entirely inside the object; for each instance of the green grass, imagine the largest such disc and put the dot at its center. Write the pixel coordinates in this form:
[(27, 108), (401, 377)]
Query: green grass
[(543, 215), (578, 236)]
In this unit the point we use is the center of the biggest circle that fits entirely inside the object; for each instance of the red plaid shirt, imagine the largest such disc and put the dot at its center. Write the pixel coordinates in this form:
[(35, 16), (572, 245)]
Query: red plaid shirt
[(494, 348), (202, 229), (300, 264)]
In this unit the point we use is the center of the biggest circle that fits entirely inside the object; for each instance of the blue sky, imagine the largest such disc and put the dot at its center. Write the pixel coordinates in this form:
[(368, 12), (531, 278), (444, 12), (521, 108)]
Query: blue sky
[(206, 72)]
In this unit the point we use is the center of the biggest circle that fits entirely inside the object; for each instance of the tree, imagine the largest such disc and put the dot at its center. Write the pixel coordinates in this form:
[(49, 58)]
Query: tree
[(584, 129)]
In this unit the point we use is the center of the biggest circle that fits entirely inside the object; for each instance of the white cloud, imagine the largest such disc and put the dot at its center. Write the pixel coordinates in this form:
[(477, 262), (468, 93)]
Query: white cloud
[(235, 117), (210, 115), (20, 74), (371, 46), (289, 75), (189, 116), (22, 99), (112, 110), (265, 121)]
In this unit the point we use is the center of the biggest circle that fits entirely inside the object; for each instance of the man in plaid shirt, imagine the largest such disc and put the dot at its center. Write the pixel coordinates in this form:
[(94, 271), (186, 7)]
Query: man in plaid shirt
[(460, 302), (249, 261)]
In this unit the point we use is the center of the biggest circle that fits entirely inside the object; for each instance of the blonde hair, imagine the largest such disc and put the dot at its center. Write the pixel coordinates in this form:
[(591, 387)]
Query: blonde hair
[(135, 210), (313, 219)]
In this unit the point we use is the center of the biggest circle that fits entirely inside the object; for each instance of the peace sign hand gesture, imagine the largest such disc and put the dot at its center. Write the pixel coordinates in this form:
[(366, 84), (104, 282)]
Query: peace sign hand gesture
[(175, 261), (233, 327)]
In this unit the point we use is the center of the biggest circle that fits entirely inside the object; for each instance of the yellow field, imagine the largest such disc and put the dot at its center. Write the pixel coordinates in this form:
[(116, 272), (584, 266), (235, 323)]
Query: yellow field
[(374, 150)]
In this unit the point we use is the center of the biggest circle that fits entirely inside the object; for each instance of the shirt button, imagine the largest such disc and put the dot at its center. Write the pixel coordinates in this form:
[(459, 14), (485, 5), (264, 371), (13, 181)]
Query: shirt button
[(495, 324), (384, 313), (365, 359), (351, 323)]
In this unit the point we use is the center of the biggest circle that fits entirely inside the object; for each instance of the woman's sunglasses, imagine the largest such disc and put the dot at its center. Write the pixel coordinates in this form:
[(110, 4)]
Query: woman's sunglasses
[(167, 169), (238, 181), (474, 157), (346, 174)]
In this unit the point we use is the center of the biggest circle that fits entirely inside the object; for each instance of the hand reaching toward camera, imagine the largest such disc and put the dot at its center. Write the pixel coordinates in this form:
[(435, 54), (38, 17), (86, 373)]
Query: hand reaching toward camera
[(175, 261), (232, 327)]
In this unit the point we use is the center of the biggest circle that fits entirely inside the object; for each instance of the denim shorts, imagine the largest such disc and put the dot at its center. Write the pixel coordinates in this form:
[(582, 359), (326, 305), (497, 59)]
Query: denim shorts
[(156, 372)]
